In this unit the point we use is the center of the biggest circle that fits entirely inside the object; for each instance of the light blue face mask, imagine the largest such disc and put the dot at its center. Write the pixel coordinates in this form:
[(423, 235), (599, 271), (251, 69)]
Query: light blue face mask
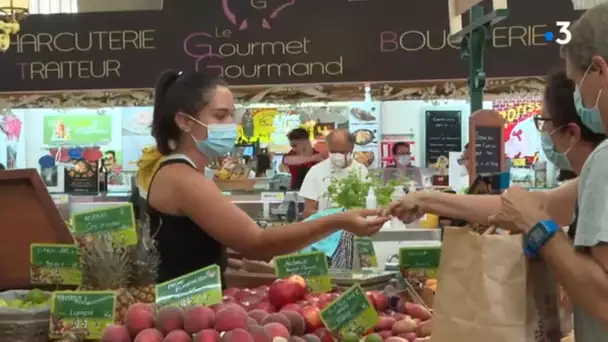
[(556, 158), (589, 116), (220, 139)]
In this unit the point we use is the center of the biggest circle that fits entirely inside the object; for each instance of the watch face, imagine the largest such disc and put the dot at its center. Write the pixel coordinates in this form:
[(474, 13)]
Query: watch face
[(537, 234)]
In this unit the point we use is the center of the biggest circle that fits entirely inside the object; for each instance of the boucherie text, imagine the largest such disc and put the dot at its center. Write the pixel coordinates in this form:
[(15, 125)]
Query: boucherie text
[(73, 44)]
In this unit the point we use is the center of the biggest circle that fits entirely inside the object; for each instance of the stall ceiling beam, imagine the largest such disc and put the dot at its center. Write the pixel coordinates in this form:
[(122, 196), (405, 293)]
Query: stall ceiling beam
[(119, 5)]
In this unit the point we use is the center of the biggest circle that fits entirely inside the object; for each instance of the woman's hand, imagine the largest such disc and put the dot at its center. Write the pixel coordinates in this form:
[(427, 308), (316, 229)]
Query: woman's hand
[(406, 209), (520, 210), (361, 221)]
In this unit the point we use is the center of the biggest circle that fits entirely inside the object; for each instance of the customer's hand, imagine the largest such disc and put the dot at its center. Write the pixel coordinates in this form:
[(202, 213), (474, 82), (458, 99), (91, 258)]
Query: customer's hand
[(520, 210), (406, 209), (361, 222)]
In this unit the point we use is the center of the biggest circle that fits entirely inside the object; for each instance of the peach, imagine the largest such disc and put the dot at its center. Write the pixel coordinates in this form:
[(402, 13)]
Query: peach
[(278, 318), (207, 335), (237, 335), (292, 307), (217, 307), (276, 330), (198, 318), (282, 293), (385, 323), (418, 311), (230, 318), (264, 305), (149, 335), (231, 291), (404, 326), (298, 325), (296, 339), (409, 336), (396, 339), (115, 333), (311, 338), (258, 315), (138, 318), (385, 334), (170, 318), (259, 334), (178, 336)]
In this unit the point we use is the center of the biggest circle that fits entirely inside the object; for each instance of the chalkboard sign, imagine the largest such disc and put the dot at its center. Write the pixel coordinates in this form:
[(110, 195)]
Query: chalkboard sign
[(487, 149), (443, 134)]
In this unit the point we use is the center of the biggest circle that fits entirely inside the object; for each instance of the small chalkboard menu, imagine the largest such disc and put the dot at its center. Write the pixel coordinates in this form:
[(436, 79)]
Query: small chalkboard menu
[(487, 149), (443, 134)]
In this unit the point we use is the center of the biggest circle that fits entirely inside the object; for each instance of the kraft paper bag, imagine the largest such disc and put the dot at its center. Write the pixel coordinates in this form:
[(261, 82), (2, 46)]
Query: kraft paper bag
[(490, 292)]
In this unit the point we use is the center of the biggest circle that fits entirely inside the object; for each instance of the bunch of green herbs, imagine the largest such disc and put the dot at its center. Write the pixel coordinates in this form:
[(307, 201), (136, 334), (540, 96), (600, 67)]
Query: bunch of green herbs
[(351, 191)]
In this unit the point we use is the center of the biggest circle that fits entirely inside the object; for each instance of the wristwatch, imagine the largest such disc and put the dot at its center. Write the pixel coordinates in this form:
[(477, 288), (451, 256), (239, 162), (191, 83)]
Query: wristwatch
[(536, 238)]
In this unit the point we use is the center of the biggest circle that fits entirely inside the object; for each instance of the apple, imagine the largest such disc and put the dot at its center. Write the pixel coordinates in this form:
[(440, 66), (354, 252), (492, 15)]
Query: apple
[(228, 299), (312, 317), (300, 282), (282, 293)]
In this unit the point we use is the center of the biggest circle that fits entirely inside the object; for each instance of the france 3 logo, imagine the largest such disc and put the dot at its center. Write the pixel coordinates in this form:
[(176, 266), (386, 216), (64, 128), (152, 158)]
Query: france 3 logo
[(563, 35)]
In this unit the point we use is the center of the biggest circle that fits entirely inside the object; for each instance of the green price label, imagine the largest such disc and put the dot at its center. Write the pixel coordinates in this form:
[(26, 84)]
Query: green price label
[(55, 264), (311, 266), (86, 314), (202, 287), (366, 252), (423, 260), (118, 220), (351, 312)]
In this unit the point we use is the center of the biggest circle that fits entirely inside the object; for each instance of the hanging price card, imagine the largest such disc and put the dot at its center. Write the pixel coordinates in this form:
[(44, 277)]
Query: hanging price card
[(202, 287), (423, 261), (311, 266), (118, 221), (55, 264), (351, 312), (86, 314), (367, 253)]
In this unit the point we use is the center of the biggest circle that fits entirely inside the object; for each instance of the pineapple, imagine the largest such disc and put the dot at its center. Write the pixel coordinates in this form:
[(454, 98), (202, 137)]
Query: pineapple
[(107, 266), (144, 264)]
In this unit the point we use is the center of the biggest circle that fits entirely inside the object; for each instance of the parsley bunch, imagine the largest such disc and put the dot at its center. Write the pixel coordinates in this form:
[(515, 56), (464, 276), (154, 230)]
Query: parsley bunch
[(351, 191)]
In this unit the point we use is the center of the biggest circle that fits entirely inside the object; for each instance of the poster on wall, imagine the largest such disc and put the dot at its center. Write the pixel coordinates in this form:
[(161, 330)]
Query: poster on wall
[(136, 135), (12, 140), (77, 130), (522, 139), (364, 125), (82, 178)]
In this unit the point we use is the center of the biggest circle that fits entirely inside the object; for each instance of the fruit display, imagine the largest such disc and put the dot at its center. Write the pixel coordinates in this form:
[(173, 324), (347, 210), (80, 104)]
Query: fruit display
[(32, 299), (283, 311)]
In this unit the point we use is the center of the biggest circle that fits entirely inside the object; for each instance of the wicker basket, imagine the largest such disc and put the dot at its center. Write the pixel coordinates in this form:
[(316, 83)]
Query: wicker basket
[(23, 325)]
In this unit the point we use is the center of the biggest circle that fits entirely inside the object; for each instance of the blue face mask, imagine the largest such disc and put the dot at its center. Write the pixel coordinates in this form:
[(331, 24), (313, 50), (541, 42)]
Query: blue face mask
[(209, 173), (220, 139), (556, 158), (589, 116)]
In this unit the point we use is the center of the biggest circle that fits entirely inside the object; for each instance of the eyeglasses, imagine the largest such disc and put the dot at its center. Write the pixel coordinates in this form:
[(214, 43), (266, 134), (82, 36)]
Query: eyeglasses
[(539, 122)]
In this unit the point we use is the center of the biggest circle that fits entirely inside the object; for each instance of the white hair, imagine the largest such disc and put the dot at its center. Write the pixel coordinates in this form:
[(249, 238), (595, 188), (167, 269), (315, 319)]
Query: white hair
[(589, 37)]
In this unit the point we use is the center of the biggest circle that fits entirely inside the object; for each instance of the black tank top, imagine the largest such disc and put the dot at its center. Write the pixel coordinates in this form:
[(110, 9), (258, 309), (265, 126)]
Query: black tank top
[(183, 246)]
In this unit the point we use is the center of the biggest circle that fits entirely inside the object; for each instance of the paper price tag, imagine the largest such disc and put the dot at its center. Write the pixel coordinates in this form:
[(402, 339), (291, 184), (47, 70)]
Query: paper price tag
[(118, 220), (365, 250), (85, 314), (272, 196), (202, 287), (55, 264), (310, 266), (351, 312)]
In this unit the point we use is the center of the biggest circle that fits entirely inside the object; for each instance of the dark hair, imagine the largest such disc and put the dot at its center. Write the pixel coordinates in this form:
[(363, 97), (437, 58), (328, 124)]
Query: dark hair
[(113, 153), (298, 134), (559, 103), (263, 164), (2, 167), (399, 144), (466, 146), (565, 175), (176, 92)]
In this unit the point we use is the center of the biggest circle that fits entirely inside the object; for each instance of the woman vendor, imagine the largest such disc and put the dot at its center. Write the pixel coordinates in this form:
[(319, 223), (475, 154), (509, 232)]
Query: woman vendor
[(573, 137), (190, 219)]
